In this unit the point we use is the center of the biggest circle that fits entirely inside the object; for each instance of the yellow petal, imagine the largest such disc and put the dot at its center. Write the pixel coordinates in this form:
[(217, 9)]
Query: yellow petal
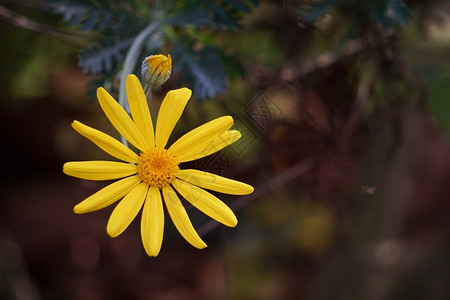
[(207, 146), (126, 210), (201, 137), (99, 170), (169, 113), (120, 119), (107, 195), (105, 142), (152, 223), (139, 109), (206, 202), (215, 182), (180, 218)]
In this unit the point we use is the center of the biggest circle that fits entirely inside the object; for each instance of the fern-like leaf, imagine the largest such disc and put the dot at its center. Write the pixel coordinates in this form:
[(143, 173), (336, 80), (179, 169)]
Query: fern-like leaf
[(317, 10), (97, 59), (398, 12), (222, 15), (193, 15), (90, 15), (203, 69)]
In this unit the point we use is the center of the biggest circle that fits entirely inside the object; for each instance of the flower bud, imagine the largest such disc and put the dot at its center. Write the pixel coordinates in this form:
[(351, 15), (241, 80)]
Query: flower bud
[(156, 69)]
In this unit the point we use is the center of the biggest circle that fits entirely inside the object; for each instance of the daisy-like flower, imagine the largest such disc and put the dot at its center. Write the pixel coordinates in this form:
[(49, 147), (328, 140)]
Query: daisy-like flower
[(156, 69), (153, 175)]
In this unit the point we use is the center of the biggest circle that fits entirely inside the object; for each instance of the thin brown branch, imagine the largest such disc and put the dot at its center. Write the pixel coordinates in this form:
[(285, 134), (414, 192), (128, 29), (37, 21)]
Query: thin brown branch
[(362, 98), (324, 60), (262, 189), (23, 22)]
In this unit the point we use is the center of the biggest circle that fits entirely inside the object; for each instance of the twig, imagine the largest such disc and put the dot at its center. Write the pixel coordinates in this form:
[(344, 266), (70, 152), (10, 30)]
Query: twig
[(275, 182), (322, 61), (362, 97), (23, 22)]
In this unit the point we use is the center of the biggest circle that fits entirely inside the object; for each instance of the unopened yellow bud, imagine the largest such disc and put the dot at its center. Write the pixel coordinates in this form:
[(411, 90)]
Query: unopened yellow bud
[(156, 69)]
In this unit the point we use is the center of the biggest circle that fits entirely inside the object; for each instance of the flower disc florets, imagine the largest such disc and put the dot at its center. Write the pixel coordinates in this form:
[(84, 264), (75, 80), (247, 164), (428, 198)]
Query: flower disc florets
[(157, 167)]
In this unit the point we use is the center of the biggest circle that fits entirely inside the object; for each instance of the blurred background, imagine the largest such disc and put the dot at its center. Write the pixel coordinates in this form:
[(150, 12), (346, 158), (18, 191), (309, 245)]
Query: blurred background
[(344, 107)]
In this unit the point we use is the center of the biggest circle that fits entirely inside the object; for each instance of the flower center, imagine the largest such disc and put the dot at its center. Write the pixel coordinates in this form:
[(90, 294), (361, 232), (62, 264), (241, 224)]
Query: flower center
[(157, 167)]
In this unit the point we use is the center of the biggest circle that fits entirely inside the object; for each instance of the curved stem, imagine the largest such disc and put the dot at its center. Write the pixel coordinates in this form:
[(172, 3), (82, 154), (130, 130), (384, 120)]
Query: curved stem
[(130, 64), (148, 92)]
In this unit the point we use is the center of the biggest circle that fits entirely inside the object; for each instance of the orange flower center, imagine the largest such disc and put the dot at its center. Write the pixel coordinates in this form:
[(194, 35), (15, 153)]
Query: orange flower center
[(157, 167)]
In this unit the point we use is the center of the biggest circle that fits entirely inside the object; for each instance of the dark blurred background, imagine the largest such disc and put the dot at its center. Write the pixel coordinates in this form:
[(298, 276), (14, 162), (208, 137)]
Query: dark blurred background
[(344, 107)]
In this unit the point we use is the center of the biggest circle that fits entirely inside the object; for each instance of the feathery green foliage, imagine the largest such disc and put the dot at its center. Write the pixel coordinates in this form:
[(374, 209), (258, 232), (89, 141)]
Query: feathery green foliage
[(384, 13), (121, 22)]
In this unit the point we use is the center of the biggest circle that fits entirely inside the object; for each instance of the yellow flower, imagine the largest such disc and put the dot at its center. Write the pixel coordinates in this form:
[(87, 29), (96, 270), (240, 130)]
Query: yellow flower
[(156, 170), (156, 69)]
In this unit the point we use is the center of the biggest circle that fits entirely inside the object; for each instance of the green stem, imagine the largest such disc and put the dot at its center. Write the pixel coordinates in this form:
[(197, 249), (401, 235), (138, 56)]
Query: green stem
[(148, 92), (130, 64), (146, 89)]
